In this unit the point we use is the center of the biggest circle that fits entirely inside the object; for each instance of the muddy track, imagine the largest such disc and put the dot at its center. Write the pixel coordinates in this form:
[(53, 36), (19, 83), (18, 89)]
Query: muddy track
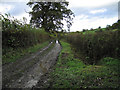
[(26, 72)]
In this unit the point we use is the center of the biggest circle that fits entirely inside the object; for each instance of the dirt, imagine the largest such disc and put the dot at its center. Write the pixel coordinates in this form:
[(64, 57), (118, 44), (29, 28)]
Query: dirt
[(26, 72)]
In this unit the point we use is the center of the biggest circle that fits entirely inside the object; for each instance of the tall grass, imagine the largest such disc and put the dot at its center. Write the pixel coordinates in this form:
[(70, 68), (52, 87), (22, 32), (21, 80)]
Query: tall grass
[(94, 46), (17, 34)]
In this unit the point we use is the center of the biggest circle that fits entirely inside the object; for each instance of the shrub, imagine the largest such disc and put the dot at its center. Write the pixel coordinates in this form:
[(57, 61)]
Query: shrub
[(17, 34), (94, 46)]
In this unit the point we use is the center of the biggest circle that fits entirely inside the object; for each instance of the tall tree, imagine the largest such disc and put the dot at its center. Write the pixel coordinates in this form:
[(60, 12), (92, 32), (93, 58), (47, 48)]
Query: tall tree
[(50, 15)]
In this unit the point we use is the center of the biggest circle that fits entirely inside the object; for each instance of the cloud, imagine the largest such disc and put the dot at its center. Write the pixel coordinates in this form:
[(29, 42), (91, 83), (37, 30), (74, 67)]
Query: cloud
[(92, 17), (90, 3), (93, 22), (16, 9), (109, 10), (14, 1), (20, 17), (81, 17), (4, 8), (98, 11)]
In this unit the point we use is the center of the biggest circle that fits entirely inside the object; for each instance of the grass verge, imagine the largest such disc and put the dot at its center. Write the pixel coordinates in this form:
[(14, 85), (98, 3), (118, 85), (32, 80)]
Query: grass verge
[(70, 72), (13, 55)]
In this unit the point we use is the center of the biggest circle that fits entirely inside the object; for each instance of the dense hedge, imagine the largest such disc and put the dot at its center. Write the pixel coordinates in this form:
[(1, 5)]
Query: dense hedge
[(92, 47), (17, 34)]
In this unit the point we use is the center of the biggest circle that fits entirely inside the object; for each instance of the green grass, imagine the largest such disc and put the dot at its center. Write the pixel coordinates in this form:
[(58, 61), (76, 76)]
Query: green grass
[(89, 32), (12, 55), (95, 30), (70, 72)]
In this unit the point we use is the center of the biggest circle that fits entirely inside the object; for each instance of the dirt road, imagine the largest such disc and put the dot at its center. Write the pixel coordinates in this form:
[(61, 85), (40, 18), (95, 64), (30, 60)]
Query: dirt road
[(25, 73)]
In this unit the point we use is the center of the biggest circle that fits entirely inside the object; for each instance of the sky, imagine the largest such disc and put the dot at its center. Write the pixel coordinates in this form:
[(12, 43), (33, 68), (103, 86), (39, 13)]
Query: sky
[(88, 13)]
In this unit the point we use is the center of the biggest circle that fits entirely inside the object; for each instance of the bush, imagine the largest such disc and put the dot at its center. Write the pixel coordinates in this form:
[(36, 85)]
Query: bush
[(94, 46), (16, 34)]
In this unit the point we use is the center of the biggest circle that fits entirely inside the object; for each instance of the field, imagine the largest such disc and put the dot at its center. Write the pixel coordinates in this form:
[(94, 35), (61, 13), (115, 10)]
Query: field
[(70, 72)]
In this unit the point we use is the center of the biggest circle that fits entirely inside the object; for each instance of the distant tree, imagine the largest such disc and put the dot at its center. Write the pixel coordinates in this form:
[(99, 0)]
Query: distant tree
[(114, 26), (50, 15), (77, 31), (118, 24), (99, 27), (84, 30), (91, 29), (108, 27), (118, 21)]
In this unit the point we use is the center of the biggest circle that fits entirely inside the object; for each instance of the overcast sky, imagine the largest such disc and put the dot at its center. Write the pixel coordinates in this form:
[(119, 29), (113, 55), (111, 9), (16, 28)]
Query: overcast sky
[(88, 13)]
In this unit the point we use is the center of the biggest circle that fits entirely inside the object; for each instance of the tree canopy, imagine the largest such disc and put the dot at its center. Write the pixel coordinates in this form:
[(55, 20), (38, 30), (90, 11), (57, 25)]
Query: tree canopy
[(50, 15)]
